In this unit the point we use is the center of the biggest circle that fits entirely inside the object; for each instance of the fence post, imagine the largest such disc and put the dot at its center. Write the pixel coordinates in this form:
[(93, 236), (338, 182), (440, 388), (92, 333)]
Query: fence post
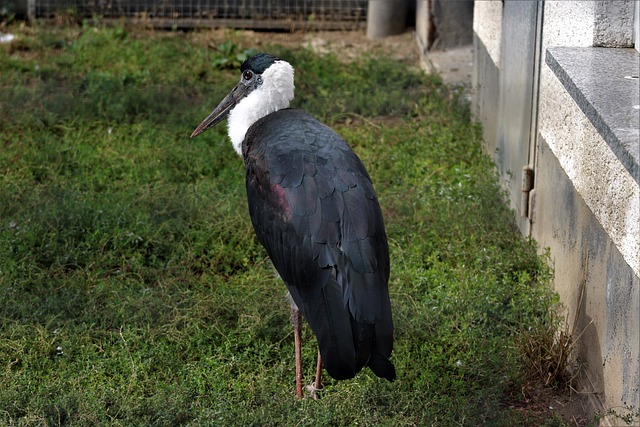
[(31, 10)]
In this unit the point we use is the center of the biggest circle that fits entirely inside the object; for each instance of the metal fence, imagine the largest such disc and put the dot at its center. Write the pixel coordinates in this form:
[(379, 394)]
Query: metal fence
[(256, 14)]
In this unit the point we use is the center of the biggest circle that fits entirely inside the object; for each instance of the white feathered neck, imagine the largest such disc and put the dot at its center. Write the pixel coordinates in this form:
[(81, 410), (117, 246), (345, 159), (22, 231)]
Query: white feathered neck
[(275, 93)]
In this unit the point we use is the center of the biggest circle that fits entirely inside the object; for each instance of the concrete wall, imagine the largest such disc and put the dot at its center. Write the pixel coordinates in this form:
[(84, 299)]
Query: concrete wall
[(583, 199), (591, 222), (636, 27), (585, 202)]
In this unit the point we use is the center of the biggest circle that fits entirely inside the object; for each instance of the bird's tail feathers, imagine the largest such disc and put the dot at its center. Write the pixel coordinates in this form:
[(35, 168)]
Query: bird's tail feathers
[(382, 367)]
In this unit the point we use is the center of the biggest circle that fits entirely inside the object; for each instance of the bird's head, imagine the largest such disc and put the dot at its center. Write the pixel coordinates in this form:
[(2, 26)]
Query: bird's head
[(266, 85)]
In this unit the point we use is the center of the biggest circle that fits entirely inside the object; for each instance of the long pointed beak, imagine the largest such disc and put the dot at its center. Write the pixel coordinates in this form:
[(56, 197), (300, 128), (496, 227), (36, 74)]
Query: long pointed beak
[(223, 109)]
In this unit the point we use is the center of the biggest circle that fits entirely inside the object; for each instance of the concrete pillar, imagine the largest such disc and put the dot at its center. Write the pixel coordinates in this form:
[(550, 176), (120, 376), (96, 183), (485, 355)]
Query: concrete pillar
[(386, 18)]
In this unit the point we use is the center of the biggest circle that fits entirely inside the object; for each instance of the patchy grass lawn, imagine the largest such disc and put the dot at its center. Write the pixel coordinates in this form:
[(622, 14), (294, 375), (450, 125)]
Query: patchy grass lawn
[(132, 289)]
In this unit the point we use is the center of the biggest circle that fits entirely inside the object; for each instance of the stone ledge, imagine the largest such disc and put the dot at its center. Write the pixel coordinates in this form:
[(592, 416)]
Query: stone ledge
[(604, 84)]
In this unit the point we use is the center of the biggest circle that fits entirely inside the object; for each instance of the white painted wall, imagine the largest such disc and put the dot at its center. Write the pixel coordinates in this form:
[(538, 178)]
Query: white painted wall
[(487, 24), (615, 204), (604, 23), (636, 26)]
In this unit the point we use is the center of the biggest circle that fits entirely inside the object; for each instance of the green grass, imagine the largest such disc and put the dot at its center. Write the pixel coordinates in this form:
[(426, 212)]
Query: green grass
[(132, 289)]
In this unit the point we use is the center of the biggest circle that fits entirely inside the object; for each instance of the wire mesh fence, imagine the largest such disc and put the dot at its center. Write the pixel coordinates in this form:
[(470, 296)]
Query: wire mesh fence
[(257, 14)]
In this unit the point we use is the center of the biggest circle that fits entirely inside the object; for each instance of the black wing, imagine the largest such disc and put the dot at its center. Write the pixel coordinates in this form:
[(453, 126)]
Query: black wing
[(315, 211)]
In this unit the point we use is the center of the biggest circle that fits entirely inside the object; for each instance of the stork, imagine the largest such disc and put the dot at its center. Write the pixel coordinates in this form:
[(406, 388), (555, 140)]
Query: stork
[(314, 209)]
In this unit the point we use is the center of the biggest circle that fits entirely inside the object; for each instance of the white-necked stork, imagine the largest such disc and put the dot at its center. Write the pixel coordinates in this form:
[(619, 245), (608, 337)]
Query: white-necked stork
[(314, 209)]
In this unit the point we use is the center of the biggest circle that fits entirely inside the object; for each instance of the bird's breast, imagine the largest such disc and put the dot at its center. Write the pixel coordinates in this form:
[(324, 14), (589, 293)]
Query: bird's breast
[(279, 201), (271, 195)]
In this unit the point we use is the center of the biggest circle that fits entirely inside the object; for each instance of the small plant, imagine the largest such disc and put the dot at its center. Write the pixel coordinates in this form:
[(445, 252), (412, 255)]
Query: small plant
[(66, 16), (545, 347), (225, 55), (547, 343), (629, 415)]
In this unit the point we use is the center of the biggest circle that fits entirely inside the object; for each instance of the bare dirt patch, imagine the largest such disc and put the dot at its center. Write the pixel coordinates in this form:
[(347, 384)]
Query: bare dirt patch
[(537, 404), (348, 45)]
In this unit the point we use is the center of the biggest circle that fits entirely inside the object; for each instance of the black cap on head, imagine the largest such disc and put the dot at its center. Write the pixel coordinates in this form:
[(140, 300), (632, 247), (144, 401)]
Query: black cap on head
[(258, 63)]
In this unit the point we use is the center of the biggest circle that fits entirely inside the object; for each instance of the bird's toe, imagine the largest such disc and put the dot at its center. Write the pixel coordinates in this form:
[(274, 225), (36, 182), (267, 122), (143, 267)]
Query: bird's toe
[(314, 392)]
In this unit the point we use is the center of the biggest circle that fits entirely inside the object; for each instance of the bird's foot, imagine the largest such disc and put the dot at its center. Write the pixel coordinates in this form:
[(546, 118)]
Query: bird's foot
[(313, 391)]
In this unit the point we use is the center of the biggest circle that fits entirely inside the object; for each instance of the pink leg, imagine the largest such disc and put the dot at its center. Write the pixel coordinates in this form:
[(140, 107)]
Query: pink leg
[(318, 384), (296, 321)]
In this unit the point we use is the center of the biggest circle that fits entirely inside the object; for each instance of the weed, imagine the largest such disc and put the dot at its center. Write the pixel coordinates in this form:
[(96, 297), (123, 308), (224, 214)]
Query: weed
[(225, 55), (546, 347), (630, 416)]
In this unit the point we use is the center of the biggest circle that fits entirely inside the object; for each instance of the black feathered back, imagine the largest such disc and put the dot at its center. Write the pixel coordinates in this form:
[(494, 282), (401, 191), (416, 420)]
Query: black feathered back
[(315, 211)]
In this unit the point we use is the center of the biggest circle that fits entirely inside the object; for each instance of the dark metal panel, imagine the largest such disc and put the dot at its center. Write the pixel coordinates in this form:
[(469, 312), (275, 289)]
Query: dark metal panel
[(516, 105)]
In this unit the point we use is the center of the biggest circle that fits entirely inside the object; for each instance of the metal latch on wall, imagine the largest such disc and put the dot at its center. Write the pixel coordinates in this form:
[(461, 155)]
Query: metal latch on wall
[(527, 188)]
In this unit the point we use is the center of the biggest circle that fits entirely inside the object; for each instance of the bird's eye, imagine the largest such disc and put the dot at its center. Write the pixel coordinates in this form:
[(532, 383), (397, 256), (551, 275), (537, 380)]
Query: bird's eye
[(247, 75)]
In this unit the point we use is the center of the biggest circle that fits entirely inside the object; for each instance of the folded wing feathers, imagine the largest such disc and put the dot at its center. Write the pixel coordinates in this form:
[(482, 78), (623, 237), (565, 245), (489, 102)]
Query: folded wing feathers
[(334, 208), (337, 223)]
